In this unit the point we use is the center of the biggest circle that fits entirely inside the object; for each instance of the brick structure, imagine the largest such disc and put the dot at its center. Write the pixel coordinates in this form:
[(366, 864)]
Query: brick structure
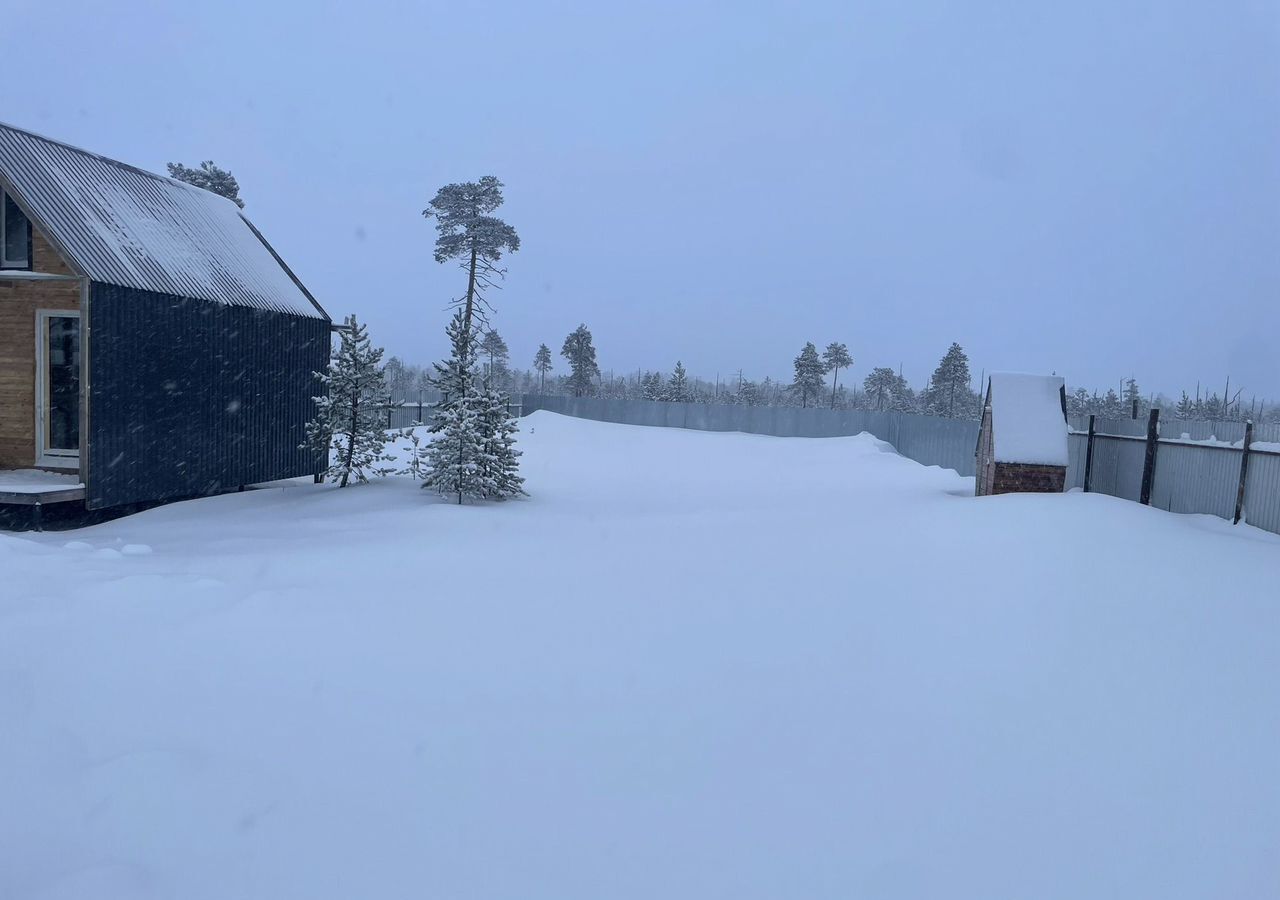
[(1012, 478), (1022, 441)]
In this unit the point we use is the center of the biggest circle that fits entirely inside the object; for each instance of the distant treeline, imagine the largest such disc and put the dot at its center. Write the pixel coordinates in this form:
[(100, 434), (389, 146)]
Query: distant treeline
[(949, 392)]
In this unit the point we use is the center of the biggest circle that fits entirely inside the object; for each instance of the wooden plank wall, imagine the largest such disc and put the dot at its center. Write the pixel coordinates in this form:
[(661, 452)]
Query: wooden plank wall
[(19, 301)]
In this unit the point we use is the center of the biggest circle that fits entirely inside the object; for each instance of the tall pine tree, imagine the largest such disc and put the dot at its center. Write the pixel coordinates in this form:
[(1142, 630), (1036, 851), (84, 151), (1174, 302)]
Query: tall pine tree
[(348, 423), (542, 364), (581, 354), (949, 394), (836, 357), (809, 373)]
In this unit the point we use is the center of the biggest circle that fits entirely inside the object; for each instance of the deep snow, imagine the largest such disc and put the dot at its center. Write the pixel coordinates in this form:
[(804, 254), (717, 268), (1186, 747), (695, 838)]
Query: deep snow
[(691, 665)]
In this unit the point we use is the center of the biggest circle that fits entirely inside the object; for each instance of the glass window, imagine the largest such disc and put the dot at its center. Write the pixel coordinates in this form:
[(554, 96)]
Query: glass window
[(15, 236), (62, 385)]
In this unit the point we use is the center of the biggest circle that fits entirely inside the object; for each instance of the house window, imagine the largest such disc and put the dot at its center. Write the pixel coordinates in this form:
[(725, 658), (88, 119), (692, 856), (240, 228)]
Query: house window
[(57, 387), (15, 235)]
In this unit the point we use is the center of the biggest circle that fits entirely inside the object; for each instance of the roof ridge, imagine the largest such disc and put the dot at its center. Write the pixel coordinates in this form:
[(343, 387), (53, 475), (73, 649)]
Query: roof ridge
[(107, 159)]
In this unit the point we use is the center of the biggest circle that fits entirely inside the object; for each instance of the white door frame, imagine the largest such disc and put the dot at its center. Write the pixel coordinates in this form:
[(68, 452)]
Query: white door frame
[(46, 457)]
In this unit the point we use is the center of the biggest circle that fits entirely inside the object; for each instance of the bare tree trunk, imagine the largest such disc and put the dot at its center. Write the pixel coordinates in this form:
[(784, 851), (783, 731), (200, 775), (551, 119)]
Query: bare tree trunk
[(834, 377)]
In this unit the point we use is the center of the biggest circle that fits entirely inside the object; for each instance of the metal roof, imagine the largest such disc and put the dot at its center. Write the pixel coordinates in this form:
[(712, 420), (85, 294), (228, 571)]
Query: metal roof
[(120, 225)]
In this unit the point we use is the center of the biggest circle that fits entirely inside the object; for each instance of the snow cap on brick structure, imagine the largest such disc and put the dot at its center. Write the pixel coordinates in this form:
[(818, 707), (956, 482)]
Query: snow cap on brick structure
[(1027, 420)]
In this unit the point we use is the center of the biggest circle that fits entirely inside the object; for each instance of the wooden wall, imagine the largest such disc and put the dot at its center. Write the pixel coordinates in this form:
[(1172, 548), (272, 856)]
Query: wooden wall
[(19, 301)]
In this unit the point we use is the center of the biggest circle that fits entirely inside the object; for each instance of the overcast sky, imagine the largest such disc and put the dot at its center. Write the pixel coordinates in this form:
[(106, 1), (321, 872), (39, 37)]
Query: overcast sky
[(1091, 188)]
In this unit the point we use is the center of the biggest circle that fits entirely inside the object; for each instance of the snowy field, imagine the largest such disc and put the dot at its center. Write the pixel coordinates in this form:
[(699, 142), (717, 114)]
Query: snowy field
[(691, 665)]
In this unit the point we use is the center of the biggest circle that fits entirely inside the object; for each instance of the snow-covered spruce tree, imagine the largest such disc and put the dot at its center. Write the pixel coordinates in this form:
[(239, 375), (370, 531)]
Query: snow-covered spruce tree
[(836, 357), (581, 354), (809, 374), (651, 386), (678, 385), (454, 462), (348, 422), (500, 460), (209, 177), (542, 365)]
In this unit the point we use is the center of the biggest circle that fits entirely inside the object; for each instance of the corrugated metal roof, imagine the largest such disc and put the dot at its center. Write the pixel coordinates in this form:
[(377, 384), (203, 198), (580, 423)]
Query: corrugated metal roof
[(121, 225)]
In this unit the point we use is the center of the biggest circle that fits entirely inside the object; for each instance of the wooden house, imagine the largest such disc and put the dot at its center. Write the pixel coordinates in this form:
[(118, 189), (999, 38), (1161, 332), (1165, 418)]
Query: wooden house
[(153, 345)]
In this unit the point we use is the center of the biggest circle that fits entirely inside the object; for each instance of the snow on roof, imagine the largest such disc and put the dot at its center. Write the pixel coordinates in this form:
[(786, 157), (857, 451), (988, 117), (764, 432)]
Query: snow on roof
[(1026, 419), (124, 226)]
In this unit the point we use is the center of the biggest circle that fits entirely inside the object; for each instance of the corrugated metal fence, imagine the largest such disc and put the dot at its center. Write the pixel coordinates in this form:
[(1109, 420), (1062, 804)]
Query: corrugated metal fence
[(926, 439), (1197, 464)]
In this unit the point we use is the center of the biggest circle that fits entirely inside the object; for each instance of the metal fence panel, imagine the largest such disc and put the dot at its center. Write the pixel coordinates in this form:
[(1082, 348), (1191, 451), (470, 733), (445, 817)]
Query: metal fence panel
[(1117, 466), (1262, 491), (1192, 479), (1184, 429), (928, 440), (1077, 448)]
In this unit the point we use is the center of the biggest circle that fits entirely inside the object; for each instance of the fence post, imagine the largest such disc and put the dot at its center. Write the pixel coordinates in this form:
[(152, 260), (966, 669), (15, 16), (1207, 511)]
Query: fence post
[(1088, 455), (1244, 471), (1149, 463), (419, 404)]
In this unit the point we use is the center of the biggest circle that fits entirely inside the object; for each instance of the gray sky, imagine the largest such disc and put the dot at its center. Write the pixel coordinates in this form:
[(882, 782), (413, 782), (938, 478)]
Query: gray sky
[(1086, 187)]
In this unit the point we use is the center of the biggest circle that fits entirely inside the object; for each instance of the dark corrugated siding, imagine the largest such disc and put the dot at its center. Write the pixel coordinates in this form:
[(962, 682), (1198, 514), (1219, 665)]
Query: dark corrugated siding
[(190, 397)]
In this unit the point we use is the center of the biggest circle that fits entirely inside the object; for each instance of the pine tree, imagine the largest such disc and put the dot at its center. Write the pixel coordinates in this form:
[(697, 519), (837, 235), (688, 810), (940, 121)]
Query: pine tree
[(1132, 396), (748, 393), (881, 385), (456, 457), (836, 357), (1111, 406), (397, 377), (581, 354), (678, 386), (469, 233), (949, 394), (348, 422), (1079, 402), (542, 364), (809, 373), (495, 348), (209, 177)]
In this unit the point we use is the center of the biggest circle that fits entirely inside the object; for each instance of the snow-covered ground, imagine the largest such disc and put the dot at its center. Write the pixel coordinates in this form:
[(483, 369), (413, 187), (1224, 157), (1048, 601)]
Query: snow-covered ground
[(691, 665)]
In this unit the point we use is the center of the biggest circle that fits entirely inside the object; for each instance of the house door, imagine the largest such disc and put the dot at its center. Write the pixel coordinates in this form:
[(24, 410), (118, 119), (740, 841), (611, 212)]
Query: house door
[(57, 388)]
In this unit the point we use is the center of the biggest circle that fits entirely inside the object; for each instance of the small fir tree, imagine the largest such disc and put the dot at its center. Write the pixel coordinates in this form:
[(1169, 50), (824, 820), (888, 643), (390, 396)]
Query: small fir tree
[(348, 422), (500, 460), (454, 457), (678, 385), (809, 374), (209, 177), (836, 357)]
